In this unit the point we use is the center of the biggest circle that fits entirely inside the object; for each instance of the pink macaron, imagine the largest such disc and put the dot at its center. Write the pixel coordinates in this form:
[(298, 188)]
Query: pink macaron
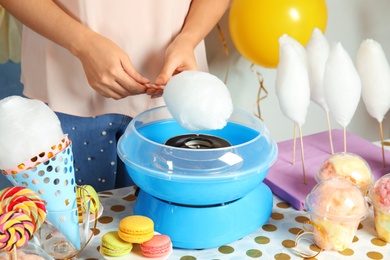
[(158, 246)]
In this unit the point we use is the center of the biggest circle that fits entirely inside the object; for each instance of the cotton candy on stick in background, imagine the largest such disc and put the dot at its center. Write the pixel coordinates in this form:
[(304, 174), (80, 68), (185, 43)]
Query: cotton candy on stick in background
[(198, 100), (342, 86), (292, 89), (318, 52), (374, 71), (284, 39)]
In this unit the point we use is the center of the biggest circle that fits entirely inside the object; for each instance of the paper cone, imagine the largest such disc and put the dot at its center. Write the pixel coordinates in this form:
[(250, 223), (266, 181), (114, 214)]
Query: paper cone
[(55, 183)]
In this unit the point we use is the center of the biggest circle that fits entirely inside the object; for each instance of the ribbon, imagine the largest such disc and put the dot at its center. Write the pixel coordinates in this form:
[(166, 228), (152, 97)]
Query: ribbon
[(300, 237)]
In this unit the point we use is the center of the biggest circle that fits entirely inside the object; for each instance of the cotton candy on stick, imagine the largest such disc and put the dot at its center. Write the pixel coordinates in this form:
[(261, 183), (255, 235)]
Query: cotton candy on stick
[(318, 52), (342, 86), (374, 71), (284, 39), (292, 89)]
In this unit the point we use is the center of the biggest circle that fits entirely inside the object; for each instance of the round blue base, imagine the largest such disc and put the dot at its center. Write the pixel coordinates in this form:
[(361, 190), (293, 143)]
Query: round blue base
[(199, 227)]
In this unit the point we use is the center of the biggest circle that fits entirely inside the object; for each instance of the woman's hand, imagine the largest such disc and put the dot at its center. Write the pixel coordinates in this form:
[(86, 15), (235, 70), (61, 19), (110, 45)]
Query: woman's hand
[(109, 70)]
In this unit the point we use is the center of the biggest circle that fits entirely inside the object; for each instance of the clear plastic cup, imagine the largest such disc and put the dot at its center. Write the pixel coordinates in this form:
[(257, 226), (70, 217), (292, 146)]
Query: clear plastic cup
[(379, 195), (336, 207), (349, 166)]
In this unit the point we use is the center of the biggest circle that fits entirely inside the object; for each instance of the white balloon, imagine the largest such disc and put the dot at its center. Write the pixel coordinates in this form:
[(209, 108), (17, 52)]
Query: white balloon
[(198, 100), (28, 127), (342, 86), (318, 52), (292, 84), (374, 71)]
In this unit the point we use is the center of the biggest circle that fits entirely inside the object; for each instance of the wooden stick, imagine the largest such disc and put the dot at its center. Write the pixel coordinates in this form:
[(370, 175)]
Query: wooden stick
[(294, 144), (13, 254), (382, 143), (303, 157), (345, 140), (330, 133)]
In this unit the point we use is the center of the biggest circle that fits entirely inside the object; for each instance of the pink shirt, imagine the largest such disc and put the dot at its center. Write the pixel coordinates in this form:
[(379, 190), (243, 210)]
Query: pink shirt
[(142, 28)]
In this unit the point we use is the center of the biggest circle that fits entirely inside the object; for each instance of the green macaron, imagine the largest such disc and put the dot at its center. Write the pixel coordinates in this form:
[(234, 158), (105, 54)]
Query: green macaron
[(113, 245)]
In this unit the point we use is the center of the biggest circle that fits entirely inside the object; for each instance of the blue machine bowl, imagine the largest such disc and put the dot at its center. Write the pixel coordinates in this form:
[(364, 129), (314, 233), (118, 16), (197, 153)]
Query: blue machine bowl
[(196, 176)]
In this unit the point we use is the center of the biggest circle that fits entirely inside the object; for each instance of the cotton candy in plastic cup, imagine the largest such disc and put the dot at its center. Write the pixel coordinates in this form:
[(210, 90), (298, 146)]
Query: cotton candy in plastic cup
[(379, 195), (349, 166), (336, 208)]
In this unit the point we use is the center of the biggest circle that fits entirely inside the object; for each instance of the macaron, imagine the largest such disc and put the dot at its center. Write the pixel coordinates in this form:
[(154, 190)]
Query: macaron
[(136, 229), (158, 246), (87, 190), (113, 245)]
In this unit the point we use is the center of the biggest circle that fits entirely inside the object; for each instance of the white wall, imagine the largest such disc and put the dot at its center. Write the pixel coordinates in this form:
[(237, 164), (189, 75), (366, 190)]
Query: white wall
[(349, 22)]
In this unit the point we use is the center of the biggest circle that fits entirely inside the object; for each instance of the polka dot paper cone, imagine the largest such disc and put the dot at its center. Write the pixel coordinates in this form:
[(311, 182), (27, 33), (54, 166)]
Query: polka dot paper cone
[(53, 180)]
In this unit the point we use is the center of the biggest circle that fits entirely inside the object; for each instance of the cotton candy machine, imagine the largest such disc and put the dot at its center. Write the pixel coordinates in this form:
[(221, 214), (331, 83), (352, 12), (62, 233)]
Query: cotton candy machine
[(203, 189)]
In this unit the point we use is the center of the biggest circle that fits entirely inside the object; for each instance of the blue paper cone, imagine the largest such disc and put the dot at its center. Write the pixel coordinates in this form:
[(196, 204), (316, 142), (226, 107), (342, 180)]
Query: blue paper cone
[(54, 181)]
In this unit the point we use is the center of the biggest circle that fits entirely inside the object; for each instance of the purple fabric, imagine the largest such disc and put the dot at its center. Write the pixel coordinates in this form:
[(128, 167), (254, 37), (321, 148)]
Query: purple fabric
[(286, 179)]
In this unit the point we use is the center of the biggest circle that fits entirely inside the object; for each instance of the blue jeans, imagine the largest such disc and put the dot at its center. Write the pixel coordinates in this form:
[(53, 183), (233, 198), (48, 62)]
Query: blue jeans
[(94, 146)]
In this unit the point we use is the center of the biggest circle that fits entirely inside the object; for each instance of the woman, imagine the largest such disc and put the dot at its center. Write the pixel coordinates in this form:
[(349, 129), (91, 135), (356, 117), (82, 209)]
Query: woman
[(92, 63)]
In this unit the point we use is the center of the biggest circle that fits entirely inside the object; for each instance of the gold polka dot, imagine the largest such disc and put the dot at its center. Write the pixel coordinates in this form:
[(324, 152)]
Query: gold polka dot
[(314, 248), (374, 255), (105, 219), (283, 205), (106, 193), (301, 219), (262, 240), (360, 226), (294, 230), (282, 256), (269, 228), (226, 249), (95, 231), (355, 239), (288, 243), (130, 197), (378, 242), (187, 257), (254, 253), (347, 252), (118, 208), (277, 216)]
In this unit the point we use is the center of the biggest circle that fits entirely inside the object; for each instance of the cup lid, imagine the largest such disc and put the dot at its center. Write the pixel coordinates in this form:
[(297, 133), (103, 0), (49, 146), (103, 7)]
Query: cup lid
[(336, 198), (349, 166), (379, 193)]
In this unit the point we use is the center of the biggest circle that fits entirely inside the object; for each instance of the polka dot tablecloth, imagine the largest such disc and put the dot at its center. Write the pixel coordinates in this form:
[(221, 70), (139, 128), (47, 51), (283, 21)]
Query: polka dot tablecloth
[(274, 240)]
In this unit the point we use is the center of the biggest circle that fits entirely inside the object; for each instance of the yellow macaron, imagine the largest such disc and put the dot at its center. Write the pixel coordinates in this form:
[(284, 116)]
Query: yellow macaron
[(136, 229)]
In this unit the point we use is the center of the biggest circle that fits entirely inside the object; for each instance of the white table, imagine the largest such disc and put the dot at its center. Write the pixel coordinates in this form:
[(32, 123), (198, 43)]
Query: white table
[(274, 240)]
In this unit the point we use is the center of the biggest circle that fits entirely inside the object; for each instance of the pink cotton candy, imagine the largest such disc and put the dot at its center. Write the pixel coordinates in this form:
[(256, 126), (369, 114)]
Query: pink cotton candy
[(380, 193)]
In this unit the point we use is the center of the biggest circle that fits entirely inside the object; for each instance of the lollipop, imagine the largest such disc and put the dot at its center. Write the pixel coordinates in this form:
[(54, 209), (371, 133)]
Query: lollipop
[(21, 199), (16, 229)]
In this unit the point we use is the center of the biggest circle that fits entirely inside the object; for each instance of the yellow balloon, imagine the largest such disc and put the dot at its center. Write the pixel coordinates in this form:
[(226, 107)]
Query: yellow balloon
[(256, 25)]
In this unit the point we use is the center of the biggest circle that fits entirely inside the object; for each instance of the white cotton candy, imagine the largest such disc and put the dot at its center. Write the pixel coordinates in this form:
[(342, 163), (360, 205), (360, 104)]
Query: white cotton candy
[(28, 127), (318, 52), (284, 39), (198, 100), (374, 72), (342, 86), (292, 84)]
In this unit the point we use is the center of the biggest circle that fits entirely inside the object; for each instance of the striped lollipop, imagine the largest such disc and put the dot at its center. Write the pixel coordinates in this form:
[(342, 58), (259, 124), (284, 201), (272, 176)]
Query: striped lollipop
[(22, 199), (16, 229)]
